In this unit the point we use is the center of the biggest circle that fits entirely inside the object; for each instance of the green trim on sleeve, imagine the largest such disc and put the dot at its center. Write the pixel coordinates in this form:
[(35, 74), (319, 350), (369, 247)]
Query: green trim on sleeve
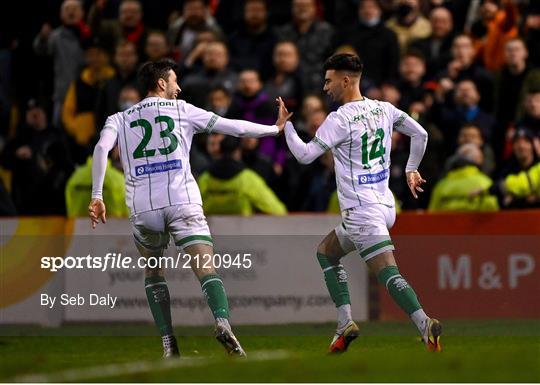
[(323, 145), (211, 123)]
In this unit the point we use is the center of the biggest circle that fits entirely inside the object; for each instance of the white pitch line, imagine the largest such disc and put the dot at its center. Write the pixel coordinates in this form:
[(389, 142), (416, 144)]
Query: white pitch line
[(112, 370)]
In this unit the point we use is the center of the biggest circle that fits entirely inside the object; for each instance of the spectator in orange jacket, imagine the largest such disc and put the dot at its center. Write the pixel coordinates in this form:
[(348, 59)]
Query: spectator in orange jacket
[(497, 26)]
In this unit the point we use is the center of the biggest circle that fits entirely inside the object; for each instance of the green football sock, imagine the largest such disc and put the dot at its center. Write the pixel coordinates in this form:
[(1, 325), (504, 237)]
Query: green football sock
[(335, 277), (214, 292), (159, 300), (402, 293)]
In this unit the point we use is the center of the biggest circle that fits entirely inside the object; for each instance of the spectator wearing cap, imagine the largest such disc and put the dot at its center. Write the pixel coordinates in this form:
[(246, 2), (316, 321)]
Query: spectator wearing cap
[(530, 120), (215, 72), (39, 161), (496, 27), (458, 190), (230, 188), (436, 47), (523, 154), (513, 81), (126, 60), (63, 44), (375, 44), (78, 112), (314, 39), (251, 45), (129, 25), (183, 32), (408, 23)]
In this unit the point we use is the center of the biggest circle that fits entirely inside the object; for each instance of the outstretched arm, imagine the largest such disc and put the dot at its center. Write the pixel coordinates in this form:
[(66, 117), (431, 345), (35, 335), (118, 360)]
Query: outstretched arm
[(304, 153), (408, 126), (328, 135), (96, 208), (205, 121), (242, 128)]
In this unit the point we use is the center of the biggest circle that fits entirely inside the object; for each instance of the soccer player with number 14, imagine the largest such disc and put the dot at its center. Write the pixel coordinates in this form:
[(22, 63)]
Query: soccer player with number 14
[(359, 134)]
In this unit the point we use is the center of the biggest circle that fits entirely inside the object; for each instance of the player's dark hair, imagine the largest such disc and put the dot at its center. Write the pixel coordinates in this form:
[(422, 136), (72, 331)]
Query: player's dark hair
[(344, 62), (151, 72)]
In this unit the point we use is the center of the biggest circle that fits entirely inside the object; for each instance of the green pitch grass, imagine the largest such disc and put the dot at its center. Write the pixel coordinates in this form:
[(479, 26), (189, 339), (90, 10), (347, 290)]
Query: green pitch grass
[(474, 351)]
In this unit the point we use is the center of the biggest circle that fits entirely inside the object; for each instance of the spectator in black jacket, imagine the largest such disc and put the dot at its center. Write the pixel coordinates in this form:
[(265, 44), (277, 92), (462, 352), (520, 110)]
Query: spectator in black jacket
[(513, 81), (156, 46), (436, 48), (314, 39), (463, 66), (376, 45), (39, 161), (412, 70), (252, 44), (464, 109), (215, 71), (523, 154), (286, 82), (126, 61)]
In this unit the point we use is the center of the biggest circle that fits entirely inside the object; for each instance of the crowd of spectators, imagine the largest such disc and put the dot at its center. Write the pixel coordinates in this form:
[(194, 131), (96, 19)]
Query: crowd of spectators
[(467, 70)]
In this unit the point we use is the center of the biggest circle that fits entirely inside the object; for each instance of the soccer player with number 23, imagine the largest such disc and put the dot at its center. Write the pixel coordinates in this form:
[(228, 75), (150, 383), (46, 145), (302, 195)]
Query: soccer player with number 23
[(154, 138)]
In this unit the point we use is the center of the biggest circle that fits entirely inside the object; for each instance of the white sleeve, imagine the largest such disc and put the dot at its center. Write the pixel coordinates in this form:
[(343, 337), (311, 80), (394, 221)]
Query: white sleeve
[(208, 122), (106, 143), (406, 125), (329, 135)]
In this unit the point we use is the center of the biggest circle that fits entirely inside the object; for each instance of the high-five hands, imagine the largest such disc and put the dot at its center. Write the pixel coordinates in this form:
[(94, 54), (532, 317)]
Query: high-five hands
[(96, 211), (283, 114), (414, 181)]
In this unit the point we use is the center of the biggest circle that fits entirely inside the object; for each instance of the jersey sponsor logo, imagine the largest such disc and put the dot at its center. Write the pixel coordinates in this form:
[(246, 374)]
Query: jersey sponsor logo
[(152, 168), (143, 105), (375, 113), (373, 178)]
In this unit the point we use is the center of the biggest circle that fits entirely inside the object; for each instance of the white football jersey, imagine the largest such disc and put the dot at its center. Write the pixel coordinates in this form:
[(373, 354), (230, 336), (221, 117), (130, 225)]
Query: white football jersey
[(154, 138), (360, 136)]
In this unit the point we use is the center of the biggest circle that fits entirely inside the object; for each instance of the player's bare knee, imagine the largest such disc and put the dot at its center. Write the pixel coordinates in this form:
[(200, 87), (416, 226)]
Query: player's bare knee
[(202, 261), (331, 248), (380, 261)]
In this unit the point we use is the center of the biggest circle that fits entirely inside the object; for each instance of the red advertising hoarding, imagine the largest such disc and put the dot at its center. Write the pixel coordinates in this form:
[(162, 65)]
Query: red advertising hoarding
[(469, 265)]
